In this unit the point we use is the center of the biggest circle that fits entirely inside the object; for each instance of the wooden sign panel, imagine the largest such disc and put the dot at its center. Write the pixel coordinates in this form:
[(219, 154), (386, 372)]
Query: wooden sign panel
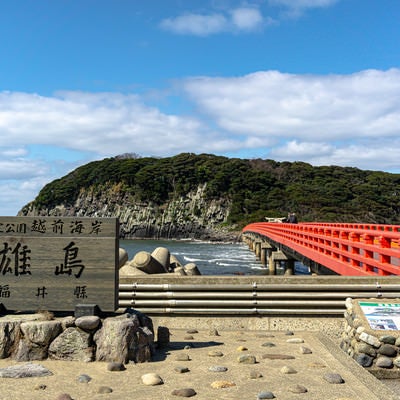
[(56, 263)]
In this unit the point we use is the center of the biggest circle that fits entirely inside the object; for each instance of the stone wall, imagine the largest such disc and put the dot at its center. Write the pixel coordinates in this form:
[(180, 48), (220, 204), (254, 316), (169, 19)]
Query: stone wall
[(375, 350), (122, 338)]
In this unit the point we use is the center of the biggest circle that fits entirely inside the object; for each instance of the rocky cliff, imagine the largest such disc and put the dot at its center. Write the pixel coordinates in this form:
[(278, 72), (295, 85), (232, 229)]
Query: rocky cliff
[(189, 216)]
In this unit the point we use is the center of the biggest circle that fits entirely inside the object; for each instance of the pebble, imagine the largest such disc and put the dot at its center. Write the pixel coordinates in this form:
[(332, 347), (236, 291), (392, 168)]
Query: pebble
[(218, 368), (288, 370), (268, 344), (182, 357), (247, 359), (188, 347), (264, 335), (84, 378), (316, 365), (295, 340), (396, 362), (384, 362), (388, 339), (255, 374), (298, 389), (370, 339), (363, 359), (40, 386), (242, 348), (305, 350), (289, 333), (222, 384), (88, 322), (192, 331), (104, 389), (278, 357), (115, 366), (333, 378), (388, 350), (187, 392), (181, 370), (215, 353), (265, 395), (64, 396), (213, 332), (152, 379), (188, 337)]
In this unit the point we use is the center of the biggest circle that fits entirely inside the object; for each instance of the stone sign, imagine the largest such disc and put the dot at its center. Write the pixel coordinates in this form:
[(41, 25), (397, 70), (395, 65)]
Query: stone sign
[(56, 263)]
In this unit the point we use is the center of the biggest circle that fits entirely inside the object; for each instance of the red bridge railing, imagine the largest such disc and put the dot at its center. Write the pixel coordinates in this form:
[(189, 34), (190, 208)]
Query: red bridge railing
[(347, 249)]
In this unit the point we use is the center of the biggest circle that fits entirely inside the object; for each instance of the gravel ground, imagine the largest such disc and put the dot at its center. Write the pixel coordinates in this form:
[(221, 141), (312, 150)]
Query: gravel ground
[(302, 366)]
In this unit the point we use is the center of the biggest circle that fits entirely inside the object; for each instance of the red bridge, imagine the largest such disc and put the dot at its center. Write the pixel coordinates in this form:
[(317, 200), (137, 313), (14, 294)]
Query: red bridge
[(345, 249)]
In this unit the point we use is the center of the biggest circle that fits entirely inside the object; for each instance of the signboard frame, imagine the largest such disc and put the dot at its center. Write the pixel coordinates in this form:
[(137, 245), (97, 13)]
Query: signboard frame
[(57, 263)]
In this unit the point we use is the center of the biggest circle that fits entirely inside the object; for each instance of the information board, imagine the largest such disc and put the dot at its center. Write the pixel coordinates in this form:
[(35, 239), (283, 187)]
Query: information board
[(56, 263), (382, 316)]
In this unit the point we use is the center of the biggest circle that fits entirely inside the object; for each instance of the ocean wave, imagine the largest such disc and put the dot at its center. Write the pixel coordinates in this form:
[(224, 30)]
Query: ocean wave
[(194, 260)]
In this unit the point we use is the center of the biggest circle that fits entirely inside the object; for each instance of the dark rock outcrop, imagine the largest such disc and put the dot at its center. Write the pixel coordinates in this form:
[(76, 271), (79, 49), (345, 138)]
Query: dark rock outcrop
[(191, 216)]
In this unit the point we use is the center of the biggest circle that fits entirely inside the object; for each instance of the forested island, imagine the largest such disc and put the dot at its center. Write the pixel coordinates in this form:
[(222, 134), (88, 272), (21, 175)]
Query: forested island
[(197, 196)]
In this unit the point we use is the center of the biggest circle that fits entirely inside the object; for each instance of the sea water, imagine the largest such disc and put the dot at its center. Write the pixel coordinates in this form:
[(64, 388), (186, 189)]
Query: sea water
[(210, 258)]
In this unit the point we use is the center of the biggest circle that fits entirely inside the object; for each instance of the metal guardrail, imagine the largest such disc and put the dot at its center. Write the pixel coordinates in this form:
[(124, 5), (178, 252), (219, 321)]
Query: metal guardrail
[(296, 296)]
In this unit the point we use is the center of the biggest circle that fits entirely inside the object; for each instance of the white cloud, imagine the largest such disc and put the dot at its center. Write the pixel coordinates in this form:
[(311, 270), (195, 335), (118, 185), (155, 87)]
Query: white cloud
[(296, 7), (304, 3), (22, 168), (294, 150), (16, 194), (245, 19), (105, 123), (273, 104), (195, 24)]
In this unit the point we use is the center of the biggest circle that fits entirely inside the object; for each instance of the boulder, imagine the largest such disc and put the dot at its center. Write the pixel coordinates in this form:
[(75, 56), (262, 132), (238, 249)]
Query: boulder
[(122, 339), (36, 338), (9, 336), (74, 344)]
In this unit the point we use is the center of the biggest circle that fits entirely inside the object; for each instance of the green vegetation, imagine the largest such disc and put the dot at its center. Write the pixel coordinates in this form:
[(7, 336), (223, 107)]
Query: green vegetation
[(256, 188)]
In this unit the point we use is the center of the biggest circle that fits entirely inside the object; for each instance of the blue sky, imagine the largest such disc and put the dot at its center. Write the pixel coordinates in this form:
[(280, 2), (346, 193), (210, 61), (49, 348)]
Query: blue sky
[(290, 80)]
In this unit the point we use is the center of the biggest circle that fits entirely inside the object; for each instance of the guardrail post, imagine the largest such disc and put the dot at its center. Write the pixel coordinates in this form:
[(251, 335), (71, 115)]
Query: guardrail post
[(335, 244), (343, 246), (368, 254), (384, 243), (355, 250)]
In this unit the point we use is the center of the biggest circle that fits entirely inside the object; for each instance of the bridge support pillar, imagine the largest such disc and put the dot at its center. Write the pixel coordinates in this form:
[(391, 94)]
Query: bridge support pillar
[(271, 262), (263, 256), (289, 266), (257, 248), (266, 249)]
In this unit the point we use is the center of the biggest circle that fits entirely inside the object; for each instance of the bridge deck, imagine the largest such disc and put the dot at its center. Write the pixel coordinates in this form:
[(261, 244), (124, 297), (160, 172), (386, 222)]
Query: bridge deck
[(347, 249)]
